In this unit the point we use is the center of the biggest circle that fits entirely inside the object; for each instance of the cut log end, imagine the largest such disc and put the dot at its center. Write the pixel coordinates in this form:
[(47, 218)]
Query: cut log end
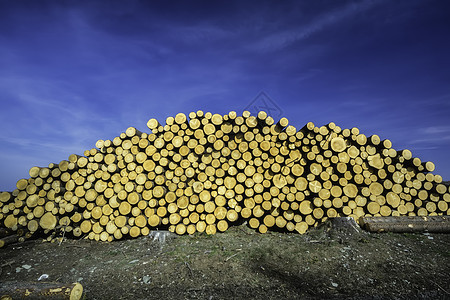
[(338, 144)]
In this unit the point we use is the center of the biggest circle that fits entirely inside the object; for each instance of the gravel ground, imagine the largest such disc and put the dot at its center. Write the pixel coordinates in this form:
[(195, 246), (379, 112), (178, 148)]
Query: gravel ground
[(325, 263)]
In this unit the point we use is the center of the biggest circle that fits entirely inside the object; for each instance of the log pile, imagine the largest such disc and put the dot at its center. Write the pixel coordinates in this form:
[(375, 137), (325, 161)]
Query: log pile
[(204, 172)]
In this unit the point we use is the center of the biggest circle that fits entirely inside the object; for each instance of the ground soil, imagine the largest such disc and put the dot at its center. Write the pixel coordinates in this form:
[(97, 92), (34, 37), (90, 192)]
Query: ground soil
[(325, 263)]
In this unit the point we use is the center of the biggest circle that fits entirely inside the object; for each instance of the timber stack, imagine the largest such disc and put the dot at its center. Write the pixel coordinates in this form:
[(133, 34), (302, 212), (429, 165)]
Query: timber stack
[(204, 172)]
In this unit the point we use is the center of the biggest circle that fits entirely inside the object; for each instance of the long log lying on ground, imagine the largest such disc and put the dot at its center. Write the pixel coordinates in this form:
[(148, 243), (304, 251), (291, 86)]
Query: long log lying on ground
[(4, 241), (40, 290), (407, 224)]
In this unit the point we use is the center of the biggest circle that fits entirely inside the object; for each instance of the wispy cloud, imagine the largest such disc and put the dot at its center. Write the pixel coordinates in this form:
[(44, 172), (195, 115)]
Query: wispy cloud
[(354, 87), (443, 100), (311, 73), (49, 115), (432, 135), (285, 38), (440, 130)]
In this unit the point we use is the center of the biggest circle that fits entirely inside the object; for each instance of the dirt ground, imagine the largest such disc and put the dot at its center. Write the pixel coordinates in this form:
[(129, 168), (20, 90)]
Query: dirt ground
[(326, 263)]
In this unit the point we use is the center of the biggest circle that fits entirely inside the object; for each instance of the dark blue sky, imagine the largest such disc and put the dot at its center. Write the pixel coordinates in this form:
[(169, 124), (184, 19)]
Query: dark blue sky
[(73, 72)]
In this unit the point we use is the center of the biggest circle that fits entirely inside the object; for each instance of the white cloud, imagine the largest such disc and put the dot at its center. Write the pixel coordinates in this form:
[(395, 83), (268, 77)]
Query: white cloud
[(441, 130), (432, 135), (49, 117), (286, 38)]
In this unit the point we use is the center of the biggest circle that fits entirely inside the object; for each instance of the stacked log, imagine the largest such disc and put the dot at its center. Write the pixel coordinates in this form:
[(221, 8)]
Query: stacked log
[(205, 172)]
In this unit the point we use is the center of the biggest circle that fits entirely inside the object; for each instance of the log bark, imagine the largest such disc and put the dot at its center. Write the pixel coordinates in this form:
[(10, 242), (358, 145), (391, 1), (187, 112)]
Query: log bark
[(40, 290), (6, 240), (407, 224)]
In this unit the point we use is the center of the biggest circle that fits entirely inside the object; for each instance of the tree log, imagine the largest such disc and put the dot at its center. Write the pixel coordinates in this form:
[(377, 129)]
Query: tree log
[(40, 290), (4, 241), (407, 224)]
